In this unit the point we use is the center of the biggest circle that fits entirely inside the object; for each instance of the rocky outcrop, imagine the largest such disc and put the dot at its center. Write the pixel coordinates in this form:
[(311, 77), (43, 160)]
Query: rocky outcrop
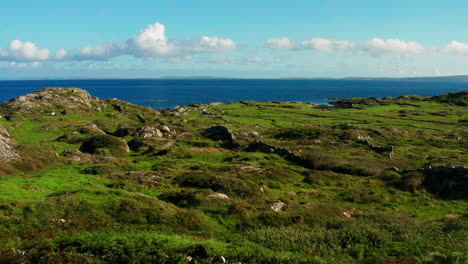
[(261, 146), (6, 149), (54, 101)]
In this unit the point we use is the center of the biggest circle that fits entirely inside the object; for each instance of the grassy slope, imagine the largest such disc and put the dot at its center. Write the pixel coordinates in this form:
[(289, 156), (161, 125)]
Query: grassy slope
[(121, 218)]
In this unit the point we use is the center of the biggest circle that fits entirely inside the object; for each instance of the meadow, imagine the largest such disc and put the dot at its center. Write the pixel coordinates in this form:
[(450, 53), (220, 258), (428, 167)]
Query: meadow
[(105, 181)]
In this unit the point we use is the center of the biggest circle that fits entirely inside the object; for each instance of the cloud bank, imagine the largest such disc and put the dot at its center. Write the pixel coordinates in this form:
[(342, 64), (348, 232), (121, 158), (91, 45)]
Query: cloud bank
[(150, 42), (374, 47)]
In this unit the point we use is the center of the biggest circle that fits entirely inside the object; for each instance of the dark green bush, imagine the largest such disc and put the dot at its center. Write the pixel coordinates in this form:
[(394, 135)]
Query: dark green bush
[(224, 184), (113, 145)]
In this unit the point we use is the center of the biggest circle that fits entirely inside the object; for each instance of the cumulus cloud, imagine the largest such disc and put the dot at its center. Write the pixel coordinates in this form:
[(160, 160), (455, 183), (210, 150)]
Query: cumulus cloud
[(24, 51), (149, 42), (456, 47), (328, 45), (280, 43), (377, 46)]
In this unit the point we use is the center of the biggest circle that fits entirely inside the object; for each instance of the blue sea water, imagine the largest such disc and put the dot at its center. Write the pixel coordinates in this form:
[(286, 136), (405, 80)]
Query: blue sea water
[(167, 93)]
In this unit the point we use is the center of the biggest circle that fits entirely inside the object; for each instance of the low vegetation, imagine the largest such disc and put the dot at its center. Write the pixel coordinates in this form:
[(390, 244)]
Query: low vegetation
[(85, 180)]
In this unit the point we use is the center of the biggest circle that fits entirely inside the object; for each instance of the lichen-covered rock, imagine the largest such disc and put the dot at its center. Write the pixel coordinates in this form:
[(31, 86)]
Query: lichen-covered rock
[(148, 132), (277, 206), (54, 101), (218, 195), (6, 150), (164, 128), (248, 133)]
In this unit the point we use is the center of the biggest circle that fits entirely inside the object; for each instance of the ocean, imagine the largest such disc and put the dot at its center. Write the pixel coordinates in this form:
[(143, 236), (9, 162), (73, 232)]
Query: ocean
[(167, 93)]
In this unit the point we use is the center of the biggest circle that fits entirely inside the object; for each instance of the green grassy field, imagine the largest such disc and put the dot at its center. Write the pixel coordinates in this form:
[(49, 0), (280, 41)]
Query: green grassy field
[(160, 202)]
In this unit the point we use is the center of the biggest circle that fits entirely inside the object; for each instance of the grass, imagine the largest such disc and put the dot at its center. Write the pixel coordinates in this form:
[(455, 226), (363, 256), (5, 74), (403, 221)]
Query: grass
[(155, 205)]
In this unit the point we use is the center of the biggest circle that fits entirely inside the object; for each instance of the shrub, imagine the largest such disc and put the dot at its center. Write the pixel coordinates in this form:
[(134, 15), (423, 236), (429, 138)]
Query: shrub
[(413, 181), (114, 145), (230, 186), (181, 199), (319, 160)]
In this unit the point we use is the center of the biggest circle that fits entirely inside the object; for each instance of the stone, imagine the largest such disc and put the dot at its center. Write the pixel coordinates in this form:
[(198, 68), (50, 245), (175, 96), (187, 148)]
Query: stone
[(261, 146), (218, 195), (148, 132), (164, 128), (6, 146), (249, 133), (277, 206), (218, 133), (74, 154)]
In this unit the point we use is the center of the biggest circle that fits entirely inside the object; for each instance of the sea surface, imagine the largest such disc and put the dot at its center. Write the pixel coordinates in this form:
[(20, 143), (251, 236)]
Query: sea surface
[(167, 93)]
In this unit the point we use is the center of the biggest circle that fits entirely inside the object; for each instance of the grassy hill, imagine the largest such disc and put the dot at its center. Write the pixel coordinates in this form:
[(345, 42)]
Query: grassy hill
[(86, 180)]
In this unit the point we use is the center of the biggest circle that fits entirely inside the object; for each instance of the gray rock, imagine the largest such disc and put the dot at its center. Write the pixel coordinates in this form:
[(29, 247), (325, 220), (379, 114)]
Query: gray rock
[(148, 132), (6, 146), (261, 146), (218, 133), (277, 206), (218, 195), (164, 128)]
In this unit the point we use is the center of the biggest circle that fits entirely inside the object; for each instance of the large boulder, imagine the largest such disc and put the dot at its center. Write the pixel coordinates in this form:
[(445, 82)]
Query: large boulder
[(218, 133), (105, 144)]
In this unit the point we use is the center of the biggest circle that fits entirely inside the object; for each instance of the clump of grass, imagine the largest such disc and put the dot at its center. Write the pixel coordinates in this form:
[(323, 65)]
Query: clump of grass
[(218, 183)]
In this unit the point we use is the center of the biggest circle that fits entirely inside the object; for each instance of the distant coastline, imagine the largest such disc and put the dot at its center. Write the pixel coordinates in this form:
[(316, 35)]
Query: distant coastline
[(453, 78)]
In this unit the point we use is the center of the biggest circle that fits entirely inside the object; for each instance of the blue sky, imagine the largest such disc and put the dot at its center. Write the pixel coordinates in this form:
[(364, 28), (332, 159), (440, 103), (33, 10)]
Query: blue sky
[(251, 39)]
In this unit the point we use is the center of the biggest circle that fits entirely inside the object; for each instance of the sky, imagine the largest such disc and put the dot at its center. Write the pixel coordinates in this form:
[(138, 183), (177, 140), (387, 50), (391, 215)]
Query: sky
[(235, 38)]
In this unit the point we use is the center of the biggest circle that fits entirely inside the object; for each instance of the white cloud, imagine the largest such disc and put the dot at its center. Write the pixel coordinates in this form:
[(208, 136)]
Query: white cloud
[(214, 44), (254, 59), (24, 51), (377, 46), (100, 52), (328, 45), (374, 47), (150, 42), (61, 54), (280, 43), (456, 48)]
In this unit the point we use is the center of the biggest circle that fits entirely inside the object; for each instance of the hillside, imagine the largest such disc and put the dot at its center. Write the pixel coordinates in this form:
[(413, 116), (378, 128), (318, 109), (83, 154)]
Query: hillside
[(370, 180)]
